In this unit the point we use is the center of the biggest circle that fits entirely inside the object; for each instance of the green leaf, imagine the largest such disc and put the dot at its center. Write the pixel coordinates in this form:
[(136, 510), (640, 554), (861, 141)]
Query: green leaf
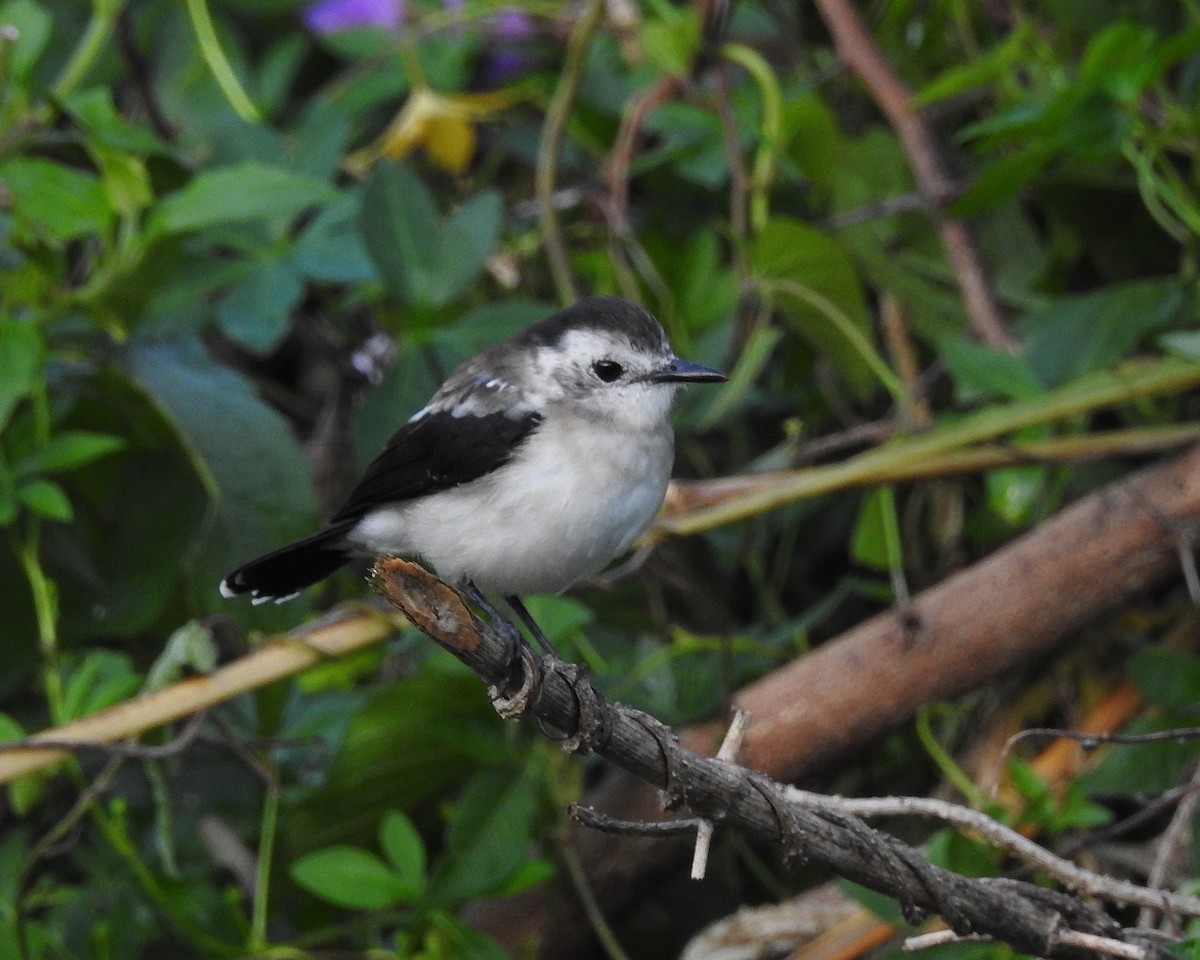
[(671, 40), (331, 249), (257, 309), (68, 450), (120, 562), (1013, 493), (1182, 343), (23, 794), (981, 372), (468, 239), (348, 877), (1002, 179), (490, 830), (451, 937), (20, 363), (51, 201), (47, 499), (236, 194), (399, 226), (1074, 335), (191, 647), (100, 680), (423, 259), (1167, 678), (9, 507), (796, 253), (94, 111), (876, 541), (260, 481), (403, 847), (414, 739)]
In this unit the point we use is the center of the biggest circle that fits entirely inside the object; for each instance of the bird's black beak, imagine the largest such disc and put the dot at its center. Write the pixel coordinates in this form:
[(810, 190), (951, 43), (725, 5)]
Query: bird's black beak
[(684, 371)]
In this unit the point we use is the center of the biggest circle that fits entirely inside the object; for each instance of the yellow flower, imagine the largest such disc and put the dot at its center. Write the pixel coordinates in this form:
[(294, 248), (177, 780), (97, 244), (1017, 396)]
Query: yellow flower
[(443, 125)]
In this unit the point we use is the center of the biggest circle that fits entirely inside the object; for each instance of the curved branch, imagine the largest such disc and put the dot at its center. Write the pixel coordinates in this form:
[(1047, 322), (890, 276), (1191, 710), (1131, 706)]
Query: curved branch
[(1029, 918)]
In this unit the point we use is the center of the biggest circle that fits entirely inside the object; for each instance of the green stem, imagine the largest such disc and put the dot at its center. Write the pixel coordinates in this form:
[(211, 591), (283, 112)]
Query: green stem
[(772, 128), (218, 63), (118, 839), (94, 39), (557, 115), (45, 606), (262, 868), (848, 329), (950, 770)]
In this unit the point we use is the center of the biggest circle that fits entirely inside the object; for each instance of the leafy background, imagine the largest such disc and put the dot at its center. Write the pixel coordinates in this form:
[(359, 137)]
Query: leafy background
[(241, 239)]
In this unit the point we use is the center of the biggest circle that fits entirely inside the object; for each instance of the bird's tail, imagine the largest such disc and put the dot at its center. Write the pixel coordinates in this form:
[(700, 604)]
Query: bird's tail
[(281, 574)]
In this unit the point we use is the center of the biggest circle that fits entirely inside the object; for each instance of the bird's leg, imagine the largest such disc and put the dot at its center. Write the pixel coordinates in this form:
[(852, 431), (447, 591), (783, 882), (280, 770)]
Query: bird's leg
[(511, 634), (535, 631)]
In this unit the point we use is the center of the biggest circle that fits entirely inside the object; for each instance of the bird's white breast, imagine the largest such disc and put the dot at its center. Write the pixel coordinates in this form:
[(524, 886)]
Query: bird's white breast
[(573, 498)]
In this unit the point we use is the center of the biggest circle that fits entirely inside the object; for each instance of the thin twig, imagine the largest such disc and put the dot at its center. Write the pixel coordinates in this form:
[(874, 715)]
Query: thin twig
[(1170, 846), (1071, 875), (1091, 741), (632, 828), (730, 747), (858, 50)]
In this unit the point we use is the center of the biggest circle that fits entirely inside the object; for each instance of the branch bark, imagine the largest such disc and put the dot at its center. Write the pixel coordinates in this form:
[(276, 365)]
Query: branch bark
[(1031, 919)]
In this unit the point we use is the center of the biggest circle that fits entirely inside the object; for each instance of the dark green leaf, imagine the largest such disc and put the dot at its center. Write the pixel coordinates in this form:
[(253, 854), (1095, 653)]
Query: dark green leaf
[(348, 877), (259, 479), (236, 194), (331, 249), (1075, 335), (468, 238), (1167, 678), (257, 309), (1001, 180), (101, 679), (413, 740), (20, 361), (456, 939), (793, 252), (876, 541), (424, 260), (981, 372), (399, 226), (490, 831)]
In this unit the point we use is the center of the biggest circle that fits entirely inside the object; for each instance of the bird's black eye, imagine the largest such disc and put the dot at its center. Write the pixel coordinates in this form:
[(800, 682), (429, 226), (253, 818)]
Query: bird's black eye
[(607, 370)]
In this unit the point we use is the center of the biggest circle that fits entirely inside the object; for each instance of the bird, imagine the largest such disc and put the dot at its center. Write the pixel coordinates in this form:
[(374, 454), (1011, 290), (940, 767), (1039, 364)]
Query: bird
[(532, 467)]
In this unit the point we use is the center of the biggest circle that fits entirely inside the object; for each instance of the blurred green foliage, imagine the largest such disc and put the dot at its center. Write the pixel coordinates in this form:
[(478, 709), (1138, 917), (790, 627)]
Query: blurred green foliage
[(236, 250)]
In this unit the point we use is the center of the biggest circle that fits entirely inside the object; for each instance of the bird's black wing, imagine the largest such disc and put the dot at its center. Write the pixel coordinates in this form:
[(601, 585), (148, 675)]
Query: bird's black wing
[(435, 451)]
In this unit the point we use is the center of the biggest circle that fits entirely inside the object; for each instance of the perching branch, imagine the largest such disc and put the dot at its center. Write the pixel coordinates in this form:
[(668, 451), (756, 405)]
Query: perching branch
[(1029, 918)]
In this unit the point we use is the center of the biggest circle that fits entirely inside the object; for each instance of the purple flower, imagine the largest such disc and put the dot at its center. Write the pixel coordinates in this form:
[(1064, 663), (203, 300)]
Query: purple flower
[(512, 29), (330, 16)]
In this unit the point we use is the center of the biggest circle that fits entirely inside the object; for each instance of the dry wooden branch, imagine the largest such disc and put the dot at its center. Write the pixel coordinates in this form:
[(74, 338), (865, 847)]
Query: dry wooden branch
[(1029, 918), (331, 636)]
